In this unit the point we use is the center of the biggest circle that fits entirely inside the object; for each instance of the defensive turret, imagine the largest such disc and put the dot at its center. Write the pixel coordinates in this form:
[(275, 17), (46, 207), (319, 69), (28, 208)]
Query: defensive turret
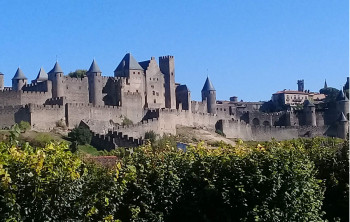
[(209, 94), (19, 80), (342, 103), (56, 76), (309, 113), (95, 85), (1, 81), (342, 129)]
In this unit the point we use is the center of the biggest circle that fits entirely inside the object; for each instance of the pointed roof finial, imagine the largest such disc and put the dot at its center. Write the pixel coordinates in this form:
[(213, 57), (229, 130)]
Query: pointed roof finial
[(325, 84), (56, 69), (19, 74), (208, 86), (42, 75), (94, 67)]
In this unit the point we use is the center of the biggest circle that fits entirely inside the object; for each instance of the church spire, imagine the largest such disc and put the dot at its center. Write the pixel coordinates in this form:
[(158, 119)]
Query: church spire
[(325, 84)]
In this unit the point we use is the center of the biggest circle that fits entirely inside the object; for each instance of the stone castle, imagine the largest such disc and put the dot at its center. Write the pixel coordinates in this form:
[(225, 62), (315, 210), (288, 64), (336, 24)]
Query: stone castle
[(143, 96)]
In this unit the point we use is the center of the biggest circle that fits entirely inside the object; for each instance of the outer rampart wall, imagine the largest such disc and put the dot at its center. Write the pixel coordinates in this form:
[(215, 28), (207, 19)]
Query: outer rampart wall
[(46, 117), (9, 115)]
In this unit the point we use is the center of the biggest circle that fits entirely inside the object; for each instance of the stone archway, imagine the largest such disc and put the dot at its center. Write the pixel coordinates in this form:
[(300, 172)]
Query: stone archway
[(266, 123), (256, 122)]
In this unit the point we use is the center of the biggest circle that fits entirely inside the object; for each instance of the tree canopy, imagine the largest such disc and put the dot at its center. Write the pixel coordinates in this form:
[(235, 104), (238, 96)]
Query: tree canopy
[(79, 73)]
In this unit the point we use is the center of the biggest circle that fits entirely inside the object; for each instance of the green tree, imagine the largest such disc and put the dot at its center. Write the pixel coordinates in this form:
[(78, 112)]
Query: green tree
[(24, 126), (79, 73), (331, 94), (80, 135)]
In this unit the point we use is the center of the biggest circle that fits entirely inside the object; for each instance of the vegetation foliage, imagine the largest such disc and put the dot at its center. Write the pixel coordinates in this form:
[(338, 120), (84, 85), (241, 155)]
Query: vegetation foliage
[(79, 73), (297, 180)]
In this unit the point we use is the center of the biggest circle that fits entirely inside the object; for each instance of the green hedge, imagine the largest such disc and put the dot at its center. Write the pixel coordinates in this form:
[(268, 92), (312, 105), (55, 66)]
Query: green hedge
[(298, 180)]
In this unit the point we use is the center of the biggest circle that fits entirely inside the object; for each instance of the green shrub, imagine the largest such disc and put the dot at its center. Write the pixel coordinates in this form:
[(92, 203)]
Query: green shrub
[(297, 180), (80, 135), (126, 121), (151, 136), (24, 126), (41, 139)]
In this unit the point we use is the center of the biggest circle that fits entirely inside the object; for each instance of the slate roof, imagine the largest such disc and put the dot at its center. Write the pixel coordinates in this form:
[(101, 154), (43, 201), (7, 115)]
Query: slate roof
[(128, 63), (145, 64), (342, 117), (208, 86), (56, 69), (308, 103), (42, 75), (19, 74), (181, 88), (94, 67)]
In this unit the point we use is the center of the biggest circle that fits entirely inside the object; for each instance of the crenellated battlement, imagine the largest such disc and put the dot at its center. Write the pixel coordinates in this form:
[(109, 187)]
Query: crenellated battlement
[(75, 80), (33, 107), (166, 57)]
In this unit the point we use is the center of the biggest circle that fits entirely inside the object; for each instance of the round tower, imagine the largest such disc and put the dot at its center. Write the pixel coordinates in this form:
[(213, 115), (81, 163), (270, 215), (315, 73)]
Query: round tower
[(56, 76), (19, 80), (343, 104), (342, 129), (1, 81), (95, 87), (309, 113), (209, 94)]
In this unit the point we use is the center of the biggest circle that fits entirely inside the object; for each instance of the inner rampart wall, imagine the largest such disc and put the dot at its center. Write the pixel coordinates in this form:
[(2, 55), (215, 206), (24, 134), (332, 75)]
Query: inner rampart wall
[(75, 112)]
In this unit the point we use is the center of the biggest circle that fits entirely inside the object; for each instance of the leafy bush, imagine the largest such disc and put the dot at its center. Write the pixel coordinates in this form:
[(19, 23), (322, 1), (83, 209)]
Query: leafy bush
[(24, 126), (126, 121), (80, 135), (297, 180), (151, 136)]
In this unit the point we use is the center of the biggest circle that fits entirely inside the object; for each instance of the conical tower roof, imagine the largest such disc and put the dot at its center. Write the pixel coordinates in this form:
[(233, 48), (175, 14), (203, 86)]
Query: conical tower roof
[(308, 103), (42, 75), (342, 117), (128, 63), (56, 69), (208, 86), (19, 74), (341, 96), (94, 67)]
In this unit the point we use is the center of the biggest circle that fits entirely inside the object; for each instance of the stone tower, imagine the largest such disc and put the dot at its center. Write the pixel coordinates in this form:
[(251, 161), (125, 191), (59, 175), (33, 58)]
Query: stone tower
[(95, 84), (309, 113), (343, 104), (56, 76), (301, 85), (167, 67), (1, 81), (19, 80), (342, 129), (209, 94)]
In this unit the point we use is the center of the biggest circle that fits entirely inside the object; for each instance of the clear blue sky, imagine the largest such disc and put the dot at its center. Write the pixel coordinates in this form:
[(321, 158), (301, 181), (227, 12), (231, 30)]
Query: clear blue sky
[(251, 48)]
